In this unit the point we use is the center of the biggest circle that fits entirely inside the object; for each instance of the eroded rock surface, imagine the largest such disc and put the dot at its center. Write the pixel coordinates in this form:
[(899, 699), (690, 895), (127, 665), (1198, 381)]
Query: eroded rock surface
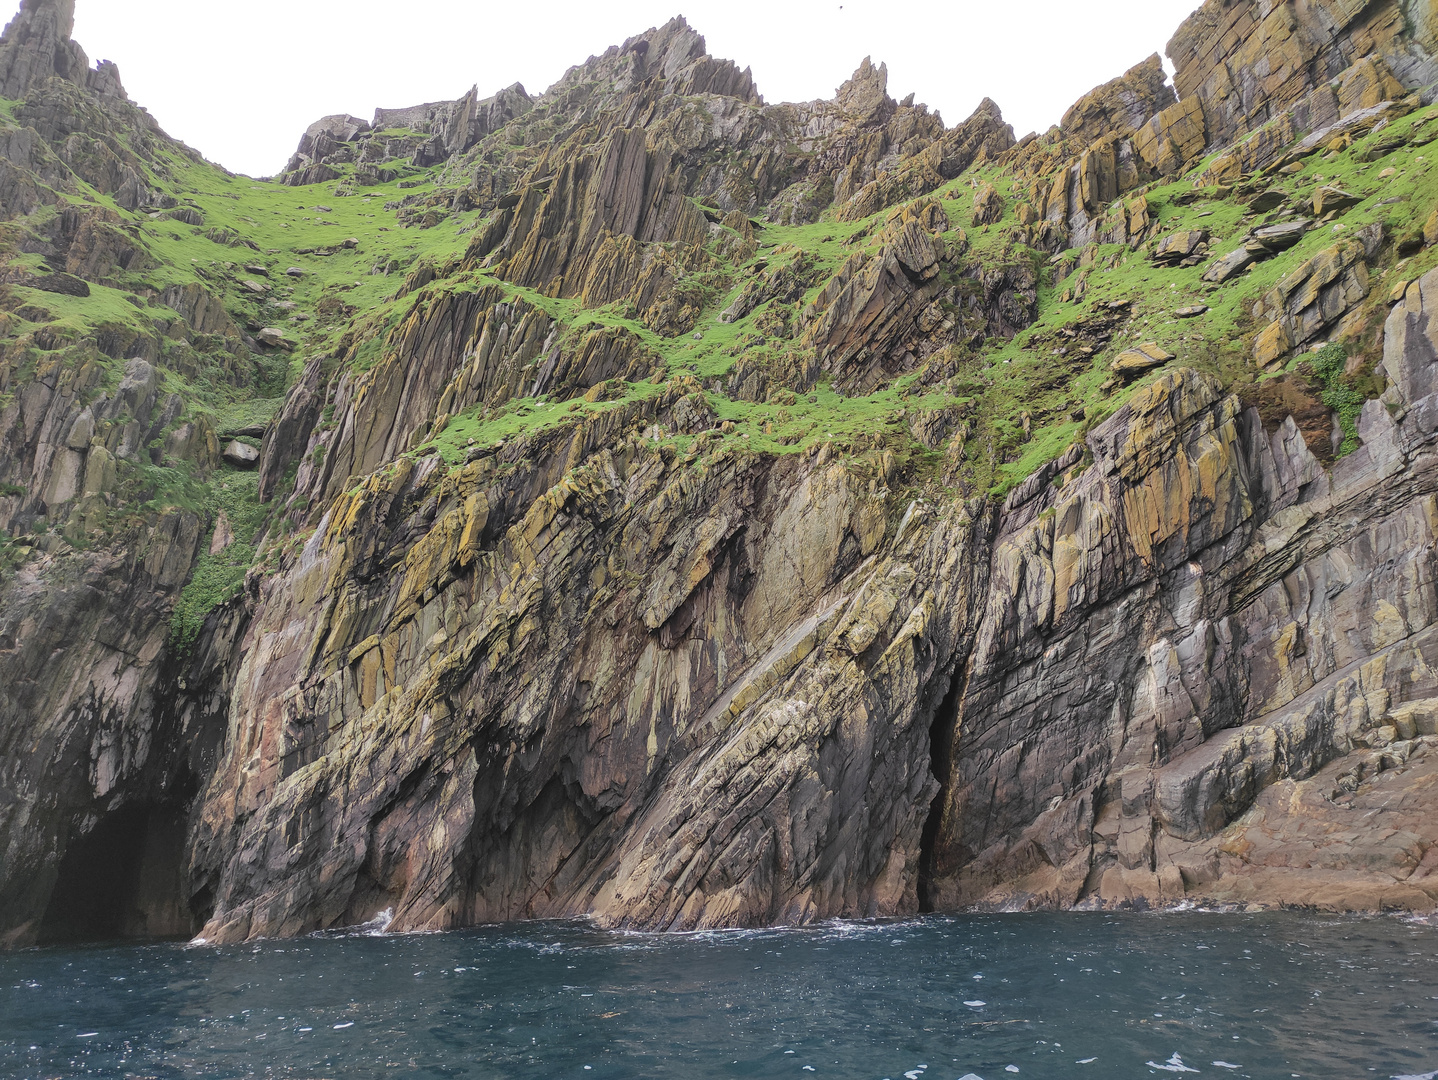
[(1203, 614), (947, 579)]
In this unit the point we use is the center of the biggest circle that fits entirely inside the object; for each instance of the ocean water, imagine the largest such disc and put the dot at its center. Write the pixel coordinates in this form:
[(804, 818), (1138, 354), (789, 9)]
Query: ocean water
[(996, 997)]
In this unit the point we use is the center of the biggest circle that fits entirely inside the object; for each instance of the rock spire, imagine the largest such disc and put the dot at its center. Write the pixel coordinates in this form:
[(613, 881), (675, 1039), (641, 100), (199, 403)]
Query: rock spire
[(36, 46)]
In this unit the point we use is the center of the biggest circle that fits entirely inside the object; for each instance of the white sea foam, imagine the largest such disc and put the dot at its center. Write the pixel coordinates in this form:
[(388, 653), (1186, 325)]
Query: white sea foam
[(1227, 1065), (346, 1024), (976, 1004), (1419, 1076), (378, 925), (1174, 1064), (1087, 1061)]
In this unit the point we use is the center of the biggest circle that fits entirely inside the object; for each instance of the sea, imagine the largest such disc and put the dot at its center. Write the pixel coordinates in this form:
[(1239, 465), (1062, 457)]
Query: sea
[(1044, 996)]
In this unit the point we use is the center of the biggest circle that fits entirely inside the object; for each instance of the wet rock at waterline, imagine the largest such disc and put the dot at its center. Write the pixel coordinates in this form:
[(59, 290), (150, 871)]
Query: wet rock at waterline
[(740, 514)]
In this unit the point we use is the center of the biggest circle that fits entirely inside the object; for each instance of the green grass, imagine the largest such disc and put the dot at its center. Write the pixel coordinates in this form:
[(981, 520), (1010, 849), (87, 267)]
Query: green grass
[(218, 578), (1023, 404), (1020, 377), (1338, 394)]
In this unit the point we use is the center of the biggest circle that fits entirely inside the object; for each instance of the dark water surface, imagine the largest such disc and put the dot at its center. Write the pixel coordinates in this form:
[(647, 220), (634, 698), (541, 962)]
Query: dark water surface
[(1032, 996)]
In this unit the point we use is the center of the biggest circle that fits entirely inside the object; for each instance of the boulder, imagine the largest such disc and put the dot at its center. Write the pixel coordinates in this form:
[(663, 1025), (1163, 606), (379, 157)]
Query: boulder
[(1230, 266), (1328, 200), (1134, 362), (1268, 200), (65, 284), (241, 455), (1187, 247), (274, 338), (1281, 237)]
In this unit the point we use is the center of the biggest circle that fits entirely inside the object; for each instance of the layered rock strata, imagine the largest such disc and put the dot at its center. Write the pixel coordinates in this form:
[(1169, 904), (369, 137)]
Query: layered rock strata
[(1207, 612), (519, 623)]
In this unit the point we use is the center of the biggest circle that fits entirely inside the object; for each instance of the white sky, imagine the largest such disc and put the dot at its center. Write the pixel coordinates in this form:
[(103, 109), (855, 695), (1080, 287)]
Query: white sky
[(240, 80)]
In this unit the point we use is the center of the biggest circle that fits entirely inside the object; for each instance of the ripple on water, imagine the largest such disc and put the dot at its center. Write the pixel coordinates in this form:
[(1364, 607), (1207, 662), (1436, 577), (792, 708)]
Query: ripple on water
[(1064, 995)]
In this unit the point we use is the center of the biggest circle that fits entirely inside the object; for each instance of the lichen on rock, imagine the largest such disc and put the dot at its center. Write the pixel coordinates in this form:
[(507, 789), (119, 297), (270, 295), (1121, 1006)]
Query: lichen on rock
[(640, 501)]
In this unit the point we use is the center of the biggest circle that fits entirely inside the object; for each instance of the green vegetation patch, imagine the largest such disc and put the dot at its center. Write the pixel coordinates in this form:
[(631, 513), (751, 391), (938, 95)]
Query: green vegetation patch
[(218, 578)]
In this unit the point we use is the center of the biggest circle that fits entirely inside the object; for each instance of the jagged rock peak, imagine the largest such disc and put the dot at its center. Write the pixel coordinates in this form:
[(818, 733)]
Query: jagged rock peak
[(674, 52), (1122, 105), (37, 13), (340, 126), (668, 49), (988, 108), (867, 90), (36, 46), (447, 128)]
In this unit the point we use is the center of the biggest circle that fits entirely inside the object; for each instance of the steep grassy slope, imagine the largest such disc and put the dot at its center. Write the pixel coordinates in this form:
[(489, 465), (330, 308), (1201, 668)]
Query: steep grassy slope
[(324, 263)]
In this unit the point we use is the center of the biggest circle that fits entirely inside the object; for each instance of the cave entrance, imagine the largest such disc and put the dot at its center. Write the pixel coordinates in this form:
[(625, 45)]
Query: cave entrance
[(123, 879), (941, 738)]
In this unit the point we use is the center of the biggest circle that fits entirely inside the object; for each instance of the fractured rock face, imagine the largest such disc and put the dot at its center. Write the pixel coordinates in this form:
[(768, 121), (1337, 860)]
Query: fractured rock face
[(1224, 56), (1123, 105), (1246, 689), (860, 319), (541, 631), (1410, 342), (1319, 293)]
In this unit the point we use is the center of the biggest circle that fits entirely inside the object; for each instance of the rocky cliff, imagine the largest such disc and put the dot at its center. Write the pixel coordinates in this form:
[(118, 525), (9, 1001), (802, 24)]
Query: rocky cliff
[(642, 501)]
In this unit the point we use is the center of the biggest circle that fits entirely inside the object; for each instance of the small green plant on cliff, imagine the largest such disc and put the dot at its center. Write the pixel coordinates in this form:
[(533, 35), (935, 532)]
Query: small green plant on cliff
[(1344, 399), (219, 577)]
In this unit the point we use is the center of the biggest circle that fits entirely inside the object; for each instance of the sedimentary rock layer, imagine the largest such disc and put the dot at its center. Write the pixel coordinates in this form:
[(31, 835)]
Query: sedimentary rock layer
[(741, 513)]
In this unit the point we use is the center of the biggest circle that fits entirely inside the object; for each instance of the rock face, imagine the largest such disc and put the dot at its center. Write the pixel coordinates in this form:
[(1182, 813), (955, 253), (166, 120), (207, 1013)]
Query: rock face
[(1252, 78), (1249, 62), (867, 309), (1122, 106), (742, 514), (1209, 615), (36, 46), (539, 757)]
